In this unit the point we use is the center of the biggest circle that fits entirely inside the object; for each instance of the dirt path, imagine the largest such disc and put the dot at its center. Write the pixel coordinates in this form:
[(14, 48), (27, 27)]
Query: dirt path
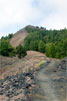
[(50, 88), (46, 83)]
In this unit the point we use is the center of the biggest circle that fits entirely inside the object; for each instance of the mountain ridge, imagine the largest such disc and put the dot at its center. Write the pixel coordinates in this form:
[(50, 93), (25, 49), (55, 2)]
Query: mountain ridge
[(17, 39), (19, 36)]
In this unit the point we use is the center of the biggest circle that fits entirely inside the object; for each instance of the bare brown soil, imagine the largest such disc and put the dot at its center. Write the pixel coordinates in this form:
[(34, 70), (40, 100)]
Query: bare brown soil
[(19, 37), (12, 66)]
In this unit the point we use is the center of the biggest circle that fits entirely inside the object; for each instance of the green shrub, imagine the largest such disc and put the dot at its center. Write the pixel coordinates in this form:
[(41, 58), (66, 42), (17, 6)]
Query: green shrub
[(41, 63), (5, 48), (21, 52)]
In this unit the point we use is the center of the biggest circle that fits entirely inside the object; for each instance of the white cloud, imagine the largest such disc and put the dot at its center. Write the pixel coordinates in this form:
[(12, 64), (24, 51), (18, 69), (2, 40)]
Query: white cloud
[(47, 13), (57, 18), (14, 11)]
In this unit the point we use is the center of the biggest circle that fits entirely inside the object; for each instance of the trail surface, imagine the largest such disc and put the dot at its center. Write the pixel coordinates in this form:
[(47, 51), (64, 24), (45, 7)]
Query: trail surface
[(52, 85)]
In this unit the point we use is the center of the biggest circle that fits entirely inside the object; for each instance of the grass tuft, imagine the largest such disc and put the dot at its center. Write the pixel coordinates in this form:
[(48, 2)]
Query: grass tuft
[(41, 63)]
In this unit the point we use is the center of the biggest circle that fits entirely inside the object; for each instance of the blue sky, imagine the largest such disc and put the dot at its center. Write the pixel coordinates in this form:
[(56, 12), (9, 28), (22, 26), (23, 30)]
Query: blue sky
[(16, 14)]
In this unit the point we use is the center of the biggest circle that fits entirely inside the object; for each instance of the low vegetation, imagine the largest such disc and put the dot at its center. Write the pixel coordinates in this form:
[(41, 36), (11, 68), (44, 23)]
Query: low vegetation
[(41, 63), (21, 52)]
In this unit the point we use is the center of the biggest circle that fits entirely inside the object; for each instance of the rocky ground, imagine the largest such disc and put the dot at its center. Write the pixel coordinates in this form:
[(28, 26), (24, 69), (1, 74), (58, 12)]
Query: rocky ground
[(23, 80), (16, 87), (52, 82)]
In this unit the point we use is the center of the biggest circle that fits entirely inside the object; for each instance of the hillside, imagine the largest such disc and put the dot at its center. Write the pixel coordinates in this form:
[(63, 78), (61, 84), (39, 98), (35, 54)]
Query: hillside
[(51, 42), (20, 35), (25, 80), (33, 71), (14, 65)]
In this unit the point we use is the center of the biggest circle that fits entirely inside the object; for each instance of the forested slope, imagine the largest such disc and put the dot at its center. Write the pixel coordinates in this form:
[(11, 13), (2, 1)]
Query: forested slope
[(51, 42)]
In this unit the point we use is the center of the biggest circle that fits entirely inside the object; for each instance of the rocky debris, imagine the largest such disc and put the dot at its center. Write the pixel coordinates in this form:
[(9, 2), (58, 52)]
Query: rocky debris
[(13, 86), (63, 64)]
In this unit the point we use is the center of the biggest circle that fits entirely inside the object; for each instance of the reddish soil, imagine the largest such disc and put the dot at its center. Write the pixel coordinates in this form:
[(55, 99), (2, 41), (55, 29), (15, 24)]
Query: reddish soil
[(19, 37), (11, 66)]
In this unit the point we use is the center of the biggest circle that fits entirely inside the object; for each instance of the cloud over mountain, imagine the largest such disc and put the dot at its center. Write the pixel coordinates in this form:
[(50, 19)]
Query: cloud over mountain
[(15, 14)]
